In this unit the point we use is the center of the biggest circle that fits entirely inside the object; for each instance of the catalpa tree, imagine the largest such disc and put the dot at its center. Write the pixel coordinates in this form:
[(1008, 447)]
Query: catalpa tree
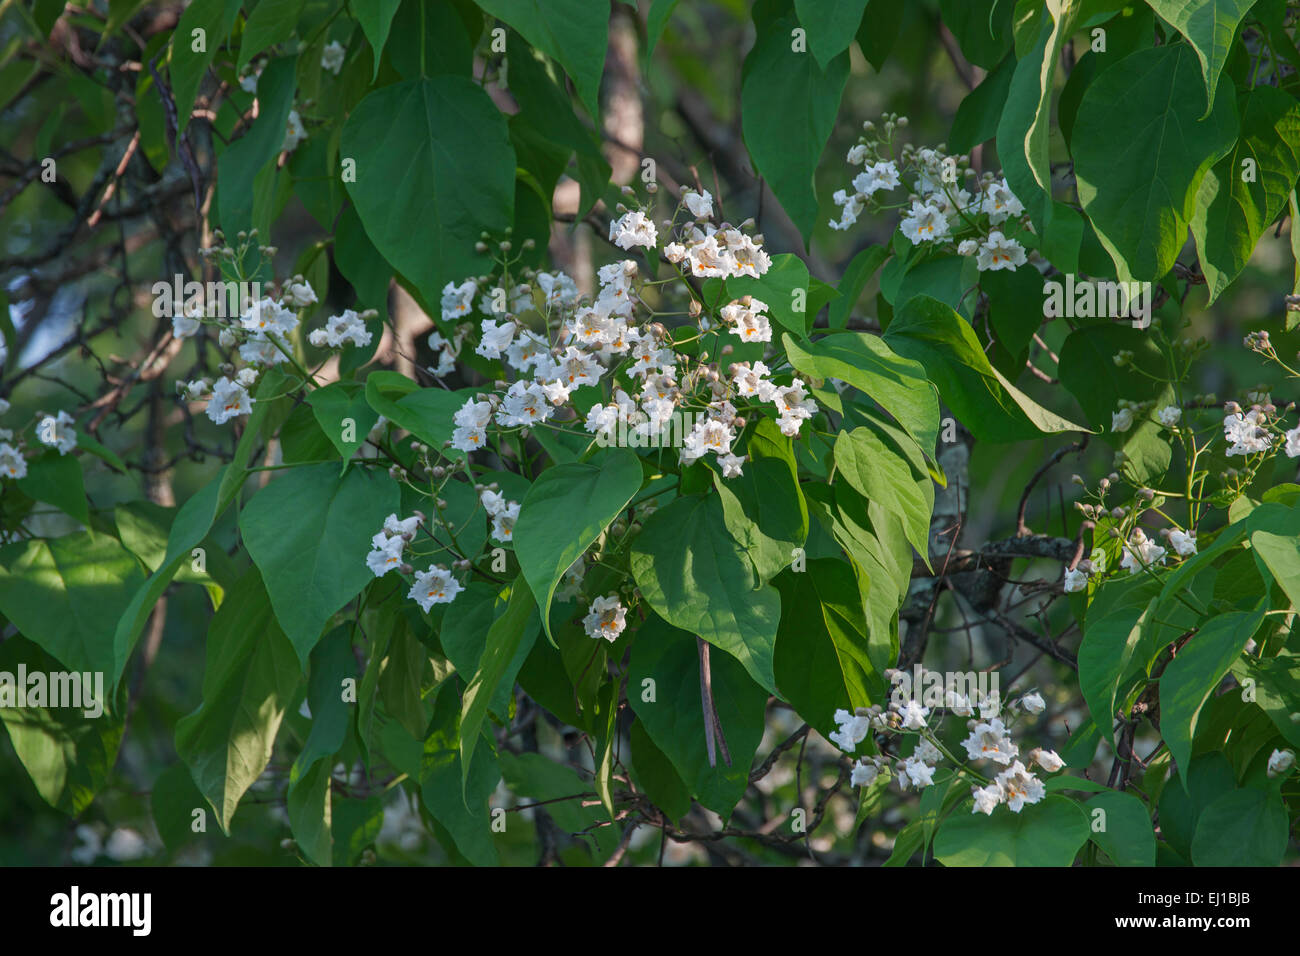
[(585, 432)]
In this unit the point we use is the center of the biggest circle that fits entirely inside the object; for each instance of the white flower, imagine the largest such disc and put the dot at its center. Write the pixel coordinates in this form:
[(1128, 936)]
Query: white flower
[(1049, 760), (998, 252), (1183, 542), (125, 844), (294, 132), (341, 330), (959, 704), (526, 350), (927, 752), (1000, 203), (496, 338), (1033, 703), (1075, 580), (331, 58), (605, 618), (558, 288), (913, 715), (967, 247), (853, 729), (793, 407), (864, 774), (1019, 787), (986, 798), (708, 436), (268, 316), (12, 462), (925, 223), (1169, 415), (57, 432), (468, 438), (524, 404), (503, 523), (700, 204), (248, 82), (674, 252), (876, 177), (228, 400), (457, 300), (748, 321), (493, 502), (920, 774), (731, 465), (435, 586), (187, 323), (385, 554), (1280, 761), (1122, 420), (857, 155), (4, 404), (1245, 433), (1292, 442), (1140, 552), (633, 229), (247, 377), (401, 527), (989, 705), (752, 380), (989, 741), (299, 295)]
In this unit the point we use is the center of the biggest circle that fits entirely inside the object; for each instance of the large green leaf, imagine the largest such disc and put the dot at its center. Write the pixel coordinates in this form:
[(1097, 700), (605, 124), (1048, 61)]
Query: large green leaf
[(309, 531), (1281, 555), (698, 578), (376, 19), (881, 474), (271, 22), (830, 24), (465, 626), (241, 164), (822, 660), (202, 28), (1140, 152), (867, 363), (424, 412), (343, 413), (572, 32), (434, 168), (567, 508), (68, 754), (56, 479), (930, 332), (788, 109), (250, 677), (764, 509), (1048, 833), (1127, 837), (504, 639), (674, 718), (65, 594), (1244, 192), (1195, 672), (458, 800), (1209, 26), (1246, 827)]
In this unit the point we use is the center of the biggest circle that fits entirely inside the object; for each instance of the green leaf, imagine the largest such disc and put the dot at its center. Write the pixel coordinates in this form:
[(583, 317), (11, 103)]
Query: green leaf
[(310, 818), (878, 473), (674, 718), (878, 32), (240, 164), (504, 639), (67, 753), (465, 626), (698, 578), (654, 773), (788, 107), (830, 24), (567, 508), (1209, 777), (458, 801), (930, 332), (1104, 656), (376, 18), (656, 21), (982, 28), (309, 531), (1281, 555), (977, 117), (249, 679), (433, 158), (867, 363), (1246, 827), (1209, 26), (1196, 671), (424, 412), (342, 411), (574, 33), (1127, 837), (64, 594), (532, 776), (1232, 213), (202, 28), (173, 800), (1048, 833), (764, 509), (1140, 152), (271, 22), (777, 288), (856, 276), (56, 479), (822, 659)]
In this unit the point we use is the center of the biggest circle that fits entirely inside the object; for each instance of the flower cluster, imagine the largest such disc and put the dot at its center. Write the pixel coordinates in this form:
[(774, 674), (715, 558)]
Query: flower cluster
[(939, 209), (989, 740), (54, 431)]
